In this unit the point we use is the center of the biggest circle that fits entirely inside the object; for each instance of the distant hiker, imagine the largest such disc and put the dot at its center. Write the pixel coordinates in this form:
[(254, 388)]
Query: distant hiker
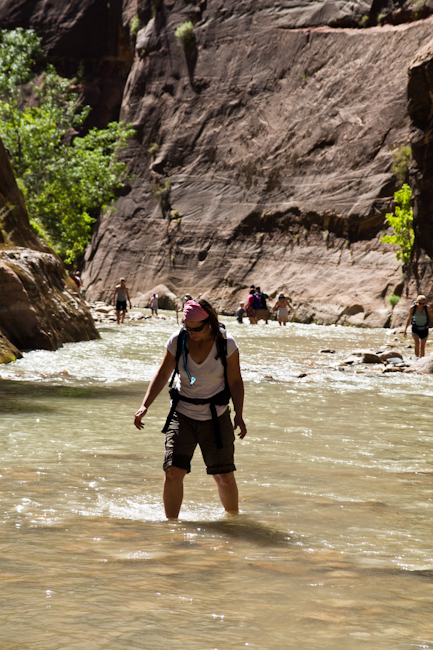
[(240, 311), (252, 306), (154, 304), (420, 315), (121, 294), (205, 360), (187, 297), (263, 312), (282, 305)]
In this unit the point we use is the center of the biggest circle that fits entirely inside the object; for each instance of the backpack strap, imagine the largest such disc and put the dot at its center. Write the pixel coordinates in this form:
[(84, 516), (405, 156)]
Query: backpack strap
[(180, 339), (221, 345)]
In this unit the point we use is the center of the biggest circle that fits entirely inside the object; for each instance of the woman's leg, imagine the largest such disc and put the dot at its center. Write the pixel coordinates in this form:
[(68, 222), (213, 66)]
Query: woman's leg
[(228, 491), (416, 341), (173, 491), (422, 347)]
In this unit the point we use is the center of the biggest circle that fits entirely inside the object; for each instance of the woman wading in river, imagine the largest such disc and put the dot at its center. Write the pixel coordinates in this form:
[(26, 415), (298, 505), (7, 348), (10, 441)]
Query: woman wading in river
[(206, 363), (419, 315)]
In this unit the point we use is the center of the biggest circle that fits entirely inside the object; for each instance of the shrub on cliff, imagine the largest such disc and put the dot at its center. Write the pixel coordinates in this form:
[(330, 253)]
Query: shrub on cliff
[(65, 179), (185, 33), (401, 222)]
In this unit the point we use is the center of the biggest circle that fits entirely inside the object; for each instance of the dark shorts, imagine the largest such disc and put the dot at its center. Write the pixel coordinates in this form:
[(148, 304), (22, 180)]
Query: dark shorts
[(422, 333), (263, 314), (121, 305), (183, 436)]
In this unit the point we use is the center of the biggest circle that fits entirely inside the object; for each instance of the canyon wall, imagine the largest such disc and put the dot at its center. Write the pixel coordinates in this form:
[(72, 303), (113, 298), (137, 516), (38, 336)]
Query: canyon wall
[(273, 165), (263, 154)]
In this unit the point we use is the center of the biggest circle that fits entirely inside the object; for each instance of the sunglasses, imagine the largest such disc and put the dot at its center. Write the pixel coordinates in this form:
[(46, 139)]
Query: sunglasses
[(196, 329), (421, 302)]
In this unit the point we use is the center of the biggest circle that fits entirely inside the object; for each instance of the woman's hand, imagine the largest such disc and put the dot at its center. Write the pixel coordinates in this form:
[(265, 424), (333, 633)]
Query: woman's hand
[(138, 417), (238, 422), (404, 333)]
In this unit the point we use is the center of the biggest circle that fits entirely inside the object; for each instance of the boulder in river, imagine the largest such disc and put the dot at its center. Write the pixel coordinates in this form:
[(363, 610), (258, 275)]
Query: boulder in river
[(8, 352), (423, 366), (166, 298), (391, 368), (390, 354), (366, 356)]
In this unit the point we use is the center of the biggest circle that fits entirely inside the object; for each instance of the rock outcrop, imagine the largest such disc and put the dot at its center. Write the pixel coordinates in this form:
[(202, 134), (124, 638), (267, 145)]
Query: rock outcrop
[(39, 306), (263, 155)]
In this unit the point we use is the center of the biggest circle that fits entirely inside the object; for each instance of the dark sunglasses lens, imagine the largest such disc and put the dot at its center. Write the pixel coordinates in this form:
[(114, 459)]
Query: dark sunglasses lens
[(195, 329)]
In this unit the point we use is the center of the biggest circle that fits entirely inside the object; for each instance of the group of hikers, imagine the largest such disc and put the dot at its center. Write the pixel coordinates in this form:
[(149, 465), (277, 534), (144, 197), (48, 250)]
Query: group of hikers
[(256, 307)]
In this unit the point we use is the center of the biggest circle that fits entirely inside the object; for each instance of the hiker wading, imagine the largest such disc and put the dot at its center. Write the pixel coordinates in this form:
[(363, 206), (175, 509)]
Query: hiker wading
[(205, 362)]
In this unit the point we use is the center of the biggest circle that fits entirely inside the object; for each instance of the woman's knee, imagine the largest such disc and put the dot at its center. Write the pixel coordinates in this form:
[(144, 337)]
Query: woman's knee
[(225, 480)]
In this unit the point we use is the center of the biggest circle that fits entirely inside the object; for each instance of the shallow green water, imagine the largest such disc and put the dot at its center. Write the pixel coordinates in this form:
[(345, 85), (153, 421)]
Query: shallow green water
[(332, 549)]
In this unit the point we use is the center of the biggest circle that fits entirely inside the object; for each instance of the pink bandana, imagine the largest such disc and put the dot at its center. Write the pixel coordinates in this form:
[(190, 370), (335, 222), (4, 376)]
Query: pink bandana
[(192, 311)]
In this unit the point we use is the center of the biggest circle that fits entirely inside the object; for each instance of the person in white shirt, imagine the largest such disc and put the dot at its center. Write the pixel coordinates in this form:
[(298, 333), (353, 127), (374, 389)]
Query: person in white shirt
[(206, 364), (154, 304)]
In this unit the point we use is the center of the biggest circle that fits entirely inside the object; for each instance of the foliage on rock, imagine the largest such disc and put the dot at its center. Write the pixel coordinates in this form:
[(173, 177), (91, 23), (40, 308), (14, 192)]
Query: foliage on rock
[(401, 162), (65, 179), (393, 299), (401, 221), (185, 33)]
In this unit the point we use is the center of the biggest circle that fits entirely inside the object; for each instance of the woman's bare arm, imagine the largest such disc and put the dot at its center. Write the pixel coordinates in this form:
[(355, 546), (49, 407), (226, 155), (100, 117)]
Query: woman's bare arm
[(158, 382)]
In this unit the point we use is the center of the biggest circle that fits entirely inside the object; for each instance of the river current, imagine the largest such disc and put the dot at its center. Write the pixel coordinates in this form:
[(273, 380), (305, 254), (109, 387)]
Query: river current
[(332, 548)]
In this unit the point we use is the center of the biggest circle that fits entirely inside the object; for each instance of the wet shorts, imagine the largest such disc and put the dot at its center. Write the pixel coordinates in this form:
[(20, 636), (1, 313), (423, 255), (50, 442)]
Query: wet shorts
[(121, 305), (183, 436), (422, 333)]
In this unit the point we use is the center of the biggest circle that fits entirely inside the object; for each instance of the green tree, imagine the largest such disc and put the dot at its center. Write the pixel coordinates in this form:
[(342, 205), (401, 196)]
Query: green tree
[(65, 179), (401, 222)]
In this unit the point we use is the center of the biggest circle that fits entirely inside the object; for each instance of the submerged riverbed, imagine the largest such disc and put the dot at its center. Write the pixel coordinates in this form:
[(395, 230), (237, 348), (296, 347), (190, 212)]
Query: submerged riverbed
[(332, 548)]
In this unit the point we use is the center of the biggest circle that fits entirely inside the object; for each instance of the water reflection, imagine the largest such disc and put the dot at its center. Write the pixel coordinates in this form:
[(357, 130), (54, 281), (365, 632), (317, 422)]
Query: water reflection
[(333, 544)]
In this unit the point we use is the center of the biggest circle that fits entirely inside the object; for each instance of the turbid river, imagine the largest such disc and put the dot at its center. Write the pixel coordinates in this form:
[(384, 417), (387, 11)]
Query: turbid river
[(333, 547)]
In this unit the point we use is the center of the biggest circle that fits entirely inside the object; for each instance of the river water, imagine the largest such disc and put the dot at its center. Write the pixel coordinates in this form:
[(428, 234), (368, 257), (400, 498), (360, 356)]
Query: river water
[(333, 545)]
